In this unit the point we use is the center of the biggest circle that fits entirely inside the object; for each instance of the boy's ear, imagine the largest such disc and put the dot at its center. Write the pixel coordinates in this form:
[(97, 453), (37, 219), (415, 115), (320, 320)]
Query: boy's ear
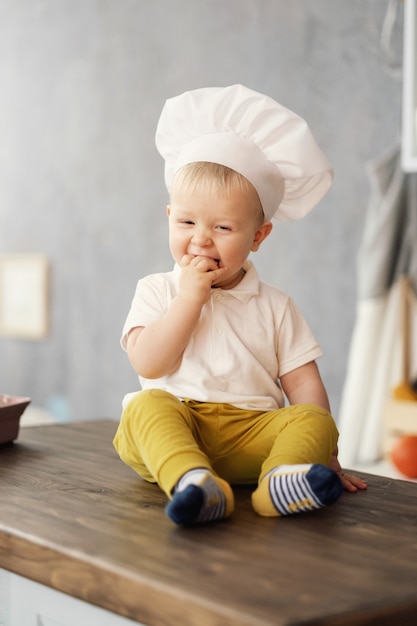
[(168, 211), (261, 234)]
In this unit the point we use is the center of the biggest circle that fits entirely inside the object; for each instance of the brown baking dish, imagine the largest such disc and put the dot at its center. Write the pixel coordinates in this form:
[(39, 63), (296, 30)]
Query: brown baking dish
[(11, 409)]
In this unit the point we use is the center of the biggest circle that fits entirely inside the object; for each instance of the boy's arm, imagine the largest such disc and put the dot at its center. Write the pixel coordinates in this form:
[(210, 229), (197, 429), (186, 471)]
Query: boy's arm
[(305, 386), (156, 350)]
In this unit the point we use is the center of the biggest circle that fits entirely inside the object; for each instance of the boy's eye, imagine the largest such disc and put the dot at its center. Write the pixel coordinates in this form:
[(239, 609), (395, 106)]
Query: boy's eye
[(224, 228)]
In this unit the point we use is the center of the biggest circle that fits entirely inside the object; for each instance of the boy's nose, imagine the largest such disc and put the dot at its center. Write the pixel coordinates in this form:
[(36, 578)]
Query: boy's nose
[(201, 237)]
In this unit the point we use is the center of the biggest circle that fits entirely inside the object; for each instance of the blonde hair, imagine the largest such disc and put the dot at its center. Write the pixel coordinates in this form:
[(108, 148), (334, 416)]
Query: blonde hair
[(215, 177)]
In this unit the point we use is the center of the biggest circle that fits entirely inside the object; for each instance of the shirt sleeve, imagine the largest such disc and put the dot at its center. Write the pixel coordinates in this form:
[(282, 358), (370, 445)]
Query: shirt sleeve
[(149, 303), (296, 343)]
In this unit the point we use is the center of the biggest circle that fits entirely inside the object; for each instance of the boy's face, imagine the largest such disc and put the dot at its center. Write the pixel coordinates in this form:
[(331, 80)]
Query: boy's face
[(219, 226)]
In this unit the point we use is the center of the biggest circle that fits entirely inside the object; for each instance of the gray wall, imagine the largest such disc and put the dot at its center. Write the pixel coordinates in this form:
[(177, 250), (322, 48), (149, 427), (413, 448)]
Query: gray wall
[(82, 83)]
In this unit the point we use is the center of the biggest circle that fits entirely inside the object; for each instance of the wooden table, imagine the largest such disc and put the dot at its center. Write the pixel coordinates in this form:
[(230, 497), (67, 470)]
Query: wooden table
[(75, 518)]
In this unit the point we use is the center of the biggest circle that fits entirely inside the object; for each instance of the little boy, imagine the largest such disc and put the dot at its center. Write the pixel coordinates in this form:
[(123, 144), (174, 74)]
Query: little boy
[(215, 348)]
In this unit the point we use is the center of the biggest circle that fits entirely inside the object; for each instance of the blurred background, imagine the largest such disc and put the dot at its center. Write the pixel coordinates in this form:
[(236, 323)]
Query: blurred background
[(82, 84)]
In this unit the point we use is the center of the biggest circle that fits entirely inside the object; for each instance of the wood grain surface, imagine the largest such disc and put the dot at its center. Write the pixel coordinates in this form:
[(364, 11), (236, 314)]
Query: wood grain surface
[(75, 518)]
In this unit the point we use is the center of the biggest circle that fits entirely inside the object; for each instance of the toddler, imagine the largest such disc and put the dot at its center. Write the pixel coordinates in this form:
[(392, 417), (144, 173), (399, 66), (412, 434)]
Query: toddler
[(216, 349)]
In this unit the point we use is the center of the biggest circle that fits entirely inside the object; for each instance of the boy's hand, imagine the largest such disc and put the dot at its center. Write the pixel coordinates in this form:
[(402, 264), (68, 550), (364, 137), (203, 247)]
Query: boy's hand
[(349, 482), (198, 274)]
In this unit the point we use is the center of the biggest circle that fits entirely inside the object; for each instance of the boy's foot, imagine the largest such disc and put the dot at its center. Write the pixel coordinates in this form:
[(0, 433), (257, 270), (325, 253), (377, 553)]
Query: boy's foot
[(289, 489), (200, 497)]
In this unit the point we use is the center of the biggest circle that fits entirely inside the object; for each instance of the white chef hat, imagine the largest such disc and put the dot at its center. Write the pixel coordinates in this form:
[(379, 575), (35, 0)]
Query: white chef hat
[(252, 134)]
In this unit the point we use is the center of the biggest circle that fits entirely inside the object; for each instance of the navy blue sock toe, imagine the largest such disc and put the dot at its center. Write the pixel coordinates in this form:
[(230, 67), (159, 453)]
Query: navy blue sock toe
[(186, 505), (325, 484)]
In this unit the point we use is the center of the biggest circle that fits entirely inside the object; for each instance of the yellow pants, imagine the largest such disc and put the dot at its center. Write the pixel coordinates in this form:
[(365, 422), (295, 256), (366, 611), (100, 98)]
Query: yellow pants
[(161, 438)]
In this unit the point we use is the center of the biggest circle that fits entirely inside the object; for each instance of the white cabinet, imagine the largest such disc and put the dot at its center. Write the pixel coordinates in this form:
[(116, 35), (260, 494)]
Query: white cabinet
[(409, 123), (26, 603)]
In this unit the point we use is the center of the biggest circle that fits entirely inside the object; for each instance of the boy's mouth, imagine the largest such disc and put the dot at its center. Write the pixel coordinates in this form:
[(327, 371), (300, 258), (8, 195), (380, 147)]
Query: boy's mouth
[(217, 261)]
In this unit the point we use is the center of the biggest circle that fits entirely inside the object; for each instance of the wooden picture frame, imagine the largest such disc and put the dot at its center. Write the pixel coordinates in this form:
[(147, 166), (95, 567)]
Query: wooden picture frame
[(24, 296)]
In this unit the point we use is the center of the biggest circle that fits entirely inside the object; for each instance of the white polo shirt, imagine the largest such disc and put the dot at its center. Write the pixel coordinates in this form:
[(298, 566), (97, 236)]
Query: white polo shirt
[(245, 340)]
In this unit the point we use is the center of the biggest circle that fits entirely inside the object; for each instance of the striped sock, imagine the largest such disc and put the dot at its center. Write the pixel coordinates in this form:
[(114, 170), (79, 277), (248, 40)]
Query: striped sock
[(292, 489), (200, 497)]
